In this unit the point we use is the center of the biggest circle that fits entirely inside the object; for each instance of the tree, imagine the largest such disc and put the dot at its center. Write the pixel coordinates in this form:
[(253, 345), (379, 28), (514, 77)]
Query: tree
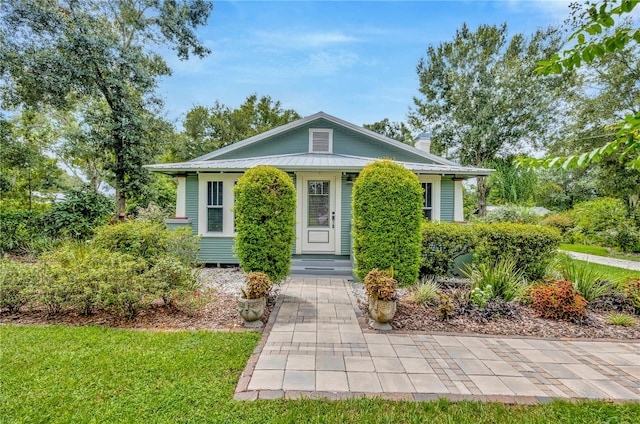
[(208, 129), (395, 130), (510, 184), (593, 42), (55, 52), (480, 97)]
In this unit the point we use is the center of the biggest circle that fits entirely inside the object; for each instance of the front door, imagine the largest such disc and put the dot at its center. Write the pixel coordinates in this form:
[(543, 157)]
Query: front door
[(318, 215)]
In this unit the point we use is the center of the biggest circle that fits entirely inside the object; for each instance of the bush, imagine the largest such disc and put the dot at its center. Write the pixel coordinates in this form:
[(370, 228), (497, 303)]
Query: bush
[(78, 214), (625, 237), (18, 230), (427, 292), (502, 279), (558, 300), (380, 284), (631, 292), (587, 281), (531, 246), (265, 205), (16, 284), (513, 214), (442, 243), (149, 241), (258, 285), (598, 215), (561, 222), (171, 280), (387, 202)]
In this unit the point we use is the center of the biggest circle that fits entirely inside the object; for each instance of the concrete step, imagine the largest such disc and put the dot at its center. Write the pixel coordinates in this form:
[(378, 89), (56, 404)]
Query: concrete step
[(321, 267)]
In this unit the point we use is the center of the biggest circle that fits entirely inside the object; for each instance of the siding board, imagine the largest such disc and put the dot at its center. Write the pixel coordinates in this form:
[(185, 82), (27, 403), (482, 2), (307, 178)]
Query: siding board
[(446, 200)]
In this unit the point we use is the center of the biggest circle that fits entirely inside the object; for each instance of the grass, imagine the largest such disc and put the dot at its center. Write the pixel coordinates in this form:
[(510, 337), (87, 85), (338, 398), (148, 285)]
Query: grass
[(621, 319), (90, 374), (617, 275), (598, 251)]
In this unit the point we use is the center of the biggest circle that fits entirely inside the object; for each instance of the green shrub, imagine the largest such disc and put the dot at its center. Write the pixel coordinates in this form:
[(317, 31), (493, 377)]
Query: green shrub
[(531, 246), (265, 205), (170, 279), (380, 284), (621, 319), (78, 214), (442, 243), (598, 215), (16, 284), (561, 222), (502, 279), (625, 237), (387, 202), (18, 230), (148, 240), (427, 292), (631, 292), (587, 281), (512, 213), (558, 300), (481, 296)]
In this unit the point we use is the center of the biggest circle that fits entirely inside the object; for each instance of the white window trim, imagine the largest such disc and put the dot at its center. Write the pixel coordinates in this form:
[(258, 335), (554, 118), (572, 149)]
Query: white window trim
[(435, 181), (228, 181), (313, 130)]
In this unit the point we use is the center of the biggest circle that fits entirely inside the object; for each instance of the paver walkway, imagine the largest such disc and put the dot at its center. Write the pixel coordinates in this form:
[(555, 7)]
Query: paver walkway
[(315, 346), (603, 260)]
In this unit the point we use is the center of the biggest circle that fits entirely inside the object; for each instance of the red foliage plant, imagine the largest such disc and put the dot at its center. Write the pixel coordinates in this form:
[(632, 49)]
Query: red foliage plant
[(558, 300)]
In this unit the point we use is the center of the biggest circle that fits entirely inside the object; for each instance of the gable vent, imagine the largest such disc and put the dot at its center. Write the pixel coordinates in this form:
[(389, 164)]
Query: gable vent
[(320, 141)]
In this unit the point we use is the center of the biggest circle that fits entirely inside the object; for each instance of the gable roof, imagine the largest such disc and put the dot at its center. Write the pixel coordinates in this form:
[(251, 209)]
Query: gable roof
[(321, 115)]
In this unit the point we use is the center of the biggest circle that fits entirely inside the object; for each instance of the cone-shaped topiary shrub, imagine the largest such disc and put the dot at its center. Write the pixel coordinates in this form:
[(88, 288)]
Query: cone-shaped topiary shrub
[(265, 205), (387, 202)]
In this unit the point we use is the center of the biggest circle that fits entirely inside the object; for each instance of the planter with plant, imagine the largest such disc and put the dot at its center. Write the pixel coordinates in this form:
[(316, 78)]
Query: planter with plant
[(380, 287), (254, 298)]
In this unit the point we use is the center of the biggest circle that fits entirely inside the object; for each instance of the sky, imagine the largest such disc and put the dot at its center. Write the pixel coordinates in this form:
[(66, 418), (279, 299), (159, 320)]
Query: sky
[(355, 60)]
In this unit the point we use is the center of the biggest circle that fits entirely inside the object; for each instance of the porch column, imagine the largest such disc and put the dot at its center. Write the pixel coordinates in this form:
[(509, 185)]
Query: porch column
[(458, 211), (181, 197)]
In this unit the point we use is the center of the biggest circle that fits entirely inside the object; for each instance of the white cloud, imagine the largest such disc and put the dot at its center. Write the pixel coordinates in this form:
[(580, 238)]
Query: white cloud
[(302, 40)]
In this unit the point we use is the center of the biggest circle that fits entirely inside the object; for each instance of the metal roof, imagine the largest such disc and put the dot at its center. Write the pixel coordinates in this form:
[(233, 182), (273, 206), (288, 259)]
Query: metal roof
[(309, 161)]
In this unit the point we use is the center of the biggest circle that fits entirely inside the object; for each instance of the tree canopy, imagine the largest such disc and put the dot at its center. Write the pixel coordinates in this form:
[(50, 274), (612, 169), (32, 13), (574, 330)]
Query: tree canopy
[(57, 53), (480, 97)]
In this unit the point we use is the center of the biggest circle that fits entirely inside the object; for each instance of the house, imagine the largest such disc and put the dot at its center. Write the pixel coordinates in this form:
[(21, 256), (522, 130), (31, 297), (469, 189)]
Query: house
[(323, 155)]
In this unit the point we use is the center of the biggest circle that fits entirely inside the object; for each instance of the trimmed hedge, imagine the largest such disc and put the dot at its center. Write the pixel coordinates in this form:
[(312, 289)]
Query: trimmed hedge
[(531, 246), (442, 243), (265, 207), (387, 202)]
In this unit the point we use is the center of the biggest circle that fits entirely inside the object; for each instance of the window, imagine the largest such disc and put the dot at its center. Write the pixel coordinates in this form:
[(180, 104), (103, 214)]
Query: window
[(320, 141), (214, 206), (427, 207)]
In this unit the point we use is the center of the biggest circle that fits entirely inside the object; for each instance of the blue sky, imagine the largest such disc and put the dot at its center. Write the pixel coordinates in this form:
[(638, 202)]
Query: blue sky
[(355, 60)]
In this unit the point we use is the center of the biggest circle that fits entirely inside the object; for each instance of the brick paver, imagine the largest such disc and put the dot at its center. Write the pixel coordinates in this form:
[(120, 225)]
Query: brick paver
[(316, 345)]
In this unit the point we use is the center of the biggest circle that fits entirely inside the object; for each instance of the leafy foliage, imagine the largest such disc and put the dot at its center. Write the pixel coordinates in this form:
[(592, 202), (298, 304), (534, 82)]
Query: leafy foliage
[(500, 279), (480, 96), (588, 282), (57, 53), (531, 246), (387, 202), (442, 243), (380, 284), (16, 284), (592, 41), (208, 129), (258, 285), (631, 291), (558, 300), (513, 214), (78, 214), (427, 291), (19, 229), (265, 204), (621, 319), (395, 130)]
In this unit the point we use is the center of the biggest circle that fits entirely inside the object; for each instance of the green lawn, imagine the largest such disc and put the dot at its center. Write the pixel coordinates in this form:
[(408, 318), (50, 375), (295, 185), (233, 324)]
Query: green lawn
[(90, 374), (598, 251), (617, 275)]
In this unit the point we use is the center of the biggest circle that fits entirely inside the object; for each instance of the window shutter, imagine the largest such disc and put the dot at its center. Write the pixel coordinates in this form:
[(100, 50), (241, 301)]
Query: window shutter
[(320, 142)]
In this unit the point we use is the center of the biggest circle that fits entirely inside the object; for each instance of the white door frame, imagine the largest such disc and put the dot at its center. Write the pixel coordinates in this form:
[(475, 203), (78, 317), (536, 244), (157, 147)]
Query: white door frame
[(335, 191)]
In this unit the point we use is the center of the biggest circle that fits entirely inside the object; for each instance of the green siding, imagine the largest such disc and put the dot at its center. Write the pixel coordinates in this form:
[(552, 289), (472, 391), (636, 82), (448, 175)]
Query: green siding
[(446, 200), (345, 142), (345, 217), (192, 201), (217, 250)]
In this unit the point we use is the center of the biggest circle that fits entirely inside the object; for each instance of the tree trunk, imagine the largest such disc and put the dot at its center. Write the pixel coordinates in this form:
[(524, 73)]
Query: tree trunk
[(120, 205), (482, 197)]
